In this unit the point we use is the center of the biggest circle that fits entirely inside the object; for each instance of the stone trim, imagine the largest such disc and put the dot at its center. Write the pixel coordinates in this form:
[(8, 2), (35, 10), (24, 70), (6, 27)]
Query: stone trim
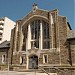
[(33, 17)]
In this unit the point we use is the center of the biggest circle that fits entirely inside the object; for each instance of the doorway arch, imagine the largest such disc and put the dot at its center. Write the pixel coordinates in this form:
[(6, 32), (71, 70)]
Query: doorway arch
[(33, 62)]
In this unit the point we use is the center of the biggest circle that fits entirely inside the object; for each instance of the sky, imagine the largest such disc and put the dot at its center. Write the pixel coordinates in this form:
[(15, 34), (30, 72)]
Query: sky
[(17, 9)]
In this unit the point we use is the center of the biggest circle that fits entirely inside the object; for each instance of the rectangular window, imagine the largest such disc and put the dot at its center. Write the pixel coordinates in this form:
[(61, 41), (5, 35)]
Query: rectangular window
[(1, 23), (3, 58), (45, 58), (0, 39), (1, 28)]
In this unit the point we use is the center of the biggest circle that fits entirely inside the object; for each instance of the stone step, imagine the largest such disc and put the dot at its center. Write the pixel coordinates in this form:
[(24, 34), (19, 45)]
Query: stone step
[(30, 70)]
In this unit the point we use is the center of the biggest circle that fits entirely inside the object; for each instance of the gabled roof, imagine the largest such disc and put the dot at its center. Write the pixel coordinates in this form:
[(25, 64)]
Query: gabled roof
[(5, 44), (71, 34), (37, 12)]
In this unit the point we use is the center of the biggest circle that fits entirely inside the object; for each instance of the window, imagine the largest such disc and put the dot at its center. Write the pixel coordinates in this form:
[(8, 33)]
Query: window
[(45, 58), (3, 58), (0, 39), (0, 33), (46, 44), (21, 60), (35, 44), (25, 34), (0, 36), (1, 28), (1, 23), (46, 38), (35, 32), (25, 38)]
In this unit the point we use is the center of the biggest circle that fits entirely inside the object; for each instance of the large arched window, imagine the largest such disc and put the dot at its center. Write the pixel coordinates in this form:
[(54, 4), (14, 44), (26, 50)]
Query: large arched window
[(35, 32), (36, 35)]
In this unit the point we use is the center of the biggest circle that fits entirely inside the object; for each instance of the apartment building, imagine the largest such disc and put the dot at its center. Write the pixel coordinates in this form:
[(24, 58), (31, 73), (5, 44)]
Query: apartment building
[(6, 25)]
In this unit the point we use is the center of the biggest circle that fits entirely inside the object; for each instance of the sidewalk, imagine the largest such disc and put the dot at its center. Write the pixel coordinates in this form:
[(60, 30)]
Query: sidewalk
[(22, 73)]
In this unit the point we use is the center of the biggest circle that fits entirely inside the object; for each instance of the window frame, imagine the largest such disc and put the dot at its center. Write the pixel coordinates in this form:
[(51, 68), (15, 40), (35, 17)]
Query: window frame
[(45, 38), (36, 26), (45, 62), (4, 59)]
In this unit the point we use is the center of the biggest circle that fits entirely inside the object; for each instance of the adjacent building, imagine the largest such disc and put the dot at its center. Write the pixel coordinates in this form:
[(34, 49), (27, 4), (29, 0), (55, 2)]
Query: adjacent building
[(6, 25), (4, 48), (42, 40)]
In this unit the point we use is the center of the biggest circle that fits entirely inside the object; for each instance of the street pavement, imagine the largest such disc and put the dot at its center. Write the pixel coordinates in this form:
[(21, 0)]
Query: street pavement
[(15, 73), (19, 73), (23, 73)]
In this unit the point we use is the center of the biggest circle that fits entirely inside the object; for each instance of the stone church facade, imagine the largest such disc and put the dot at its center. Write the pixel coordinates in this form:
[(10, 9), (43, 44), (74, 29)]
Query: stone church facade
[(43, 39)]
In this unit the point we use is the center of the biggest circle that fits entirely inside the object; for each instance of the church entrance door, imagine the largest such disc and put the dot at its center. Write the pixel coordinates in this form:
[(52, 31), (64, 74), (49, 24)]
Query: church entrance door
[(33, 62)]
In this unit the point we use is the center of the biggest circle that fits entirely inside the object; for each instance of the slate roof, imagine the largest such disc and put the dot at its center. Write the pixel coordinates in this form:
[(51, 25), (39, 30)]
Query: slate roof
[(71, 34), (5, 44)]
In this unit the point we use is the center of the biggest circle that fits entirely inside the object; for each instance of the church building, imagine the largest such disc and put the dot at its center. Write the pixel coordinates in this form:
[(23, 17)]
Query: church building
[(43, 40)]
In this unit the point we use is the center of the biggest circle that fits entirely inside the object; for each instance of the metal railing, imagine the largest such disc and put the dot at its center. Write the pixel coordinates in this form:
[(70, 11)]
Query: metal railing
[(50, 68), (43, 70)]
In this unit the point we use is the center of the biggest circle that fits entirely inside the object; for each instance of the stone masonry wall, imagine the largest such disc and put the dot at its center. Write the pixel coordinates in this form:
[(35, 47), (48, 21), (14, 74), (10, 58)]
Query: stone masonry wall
[(62, 21), (72, 48)]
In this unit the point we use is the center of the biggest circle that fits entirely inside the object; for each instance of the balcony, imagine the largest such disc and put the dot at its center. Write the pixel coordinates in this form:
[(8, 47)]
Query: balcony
[(1, 27), (1, 31), (0, 38), (1, 22)]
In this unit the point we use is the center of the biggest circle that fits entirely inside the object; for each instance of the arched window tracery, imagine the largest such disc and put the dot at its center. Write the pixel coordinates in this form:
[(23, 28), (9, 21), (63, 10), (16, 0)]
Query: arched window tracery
[(36, 35)]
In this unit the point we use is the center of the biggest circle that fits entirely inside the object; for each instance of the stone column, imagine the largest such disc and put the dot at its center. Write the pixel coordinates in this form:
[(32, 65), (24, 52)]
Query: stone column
[(57, 31), (29, 38), (15, 37), (40, 39), (50, 30), (57, 41), (20, 38)]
